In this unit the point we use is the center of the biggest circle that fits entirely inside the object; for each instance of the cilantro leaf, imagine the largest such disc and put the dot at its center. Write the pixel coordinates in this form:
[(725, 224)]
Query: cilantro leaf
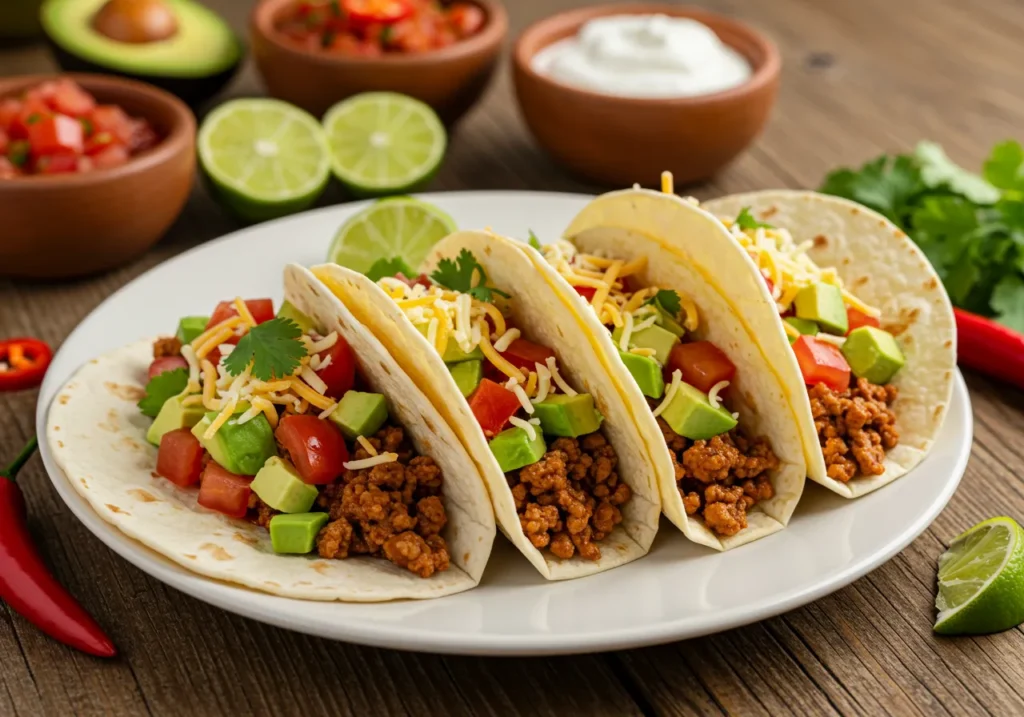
[(1003, 167), (389, 267), (534, 241), (938, 170), (889, 185), (273, 347), (160, 388), (668, 300), (746, 221), (458, 276), (1008, 301)]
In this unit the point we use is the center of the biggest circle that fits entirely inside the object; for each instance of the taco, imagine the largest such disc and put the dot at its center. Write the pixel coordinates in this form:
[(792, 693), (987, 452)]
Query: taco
[(868, 321), (289, 453), (640, 274), (570, 477)]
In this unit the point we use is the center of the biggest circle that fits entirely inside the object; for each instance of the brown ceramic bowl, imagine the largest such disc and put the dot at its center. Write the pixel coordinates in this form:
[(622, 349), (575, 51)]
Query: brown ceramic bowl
[(450, 80), (76, 224), (617, 141)]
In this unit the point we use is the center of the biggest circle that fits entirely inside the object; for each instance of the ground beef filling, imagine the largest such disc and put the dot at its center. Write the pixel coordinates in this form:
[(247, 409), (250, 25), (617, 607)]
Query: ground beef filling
[(855, 427), (165, 347), (570, 499), (722, 478), (392, 511)]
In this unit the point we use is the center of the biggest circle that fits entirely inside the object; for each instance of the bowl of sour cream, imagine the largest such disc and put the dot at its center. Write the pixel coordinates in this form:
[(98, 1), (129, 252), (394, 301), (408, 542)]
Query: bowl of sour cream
[(619, 93)]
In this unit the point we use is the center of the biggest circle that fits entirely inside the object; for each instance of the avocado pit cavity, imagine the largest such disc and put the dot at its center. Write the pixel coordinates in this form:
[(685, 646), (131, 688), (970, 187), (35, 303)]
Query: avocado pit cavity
[(135, 21)]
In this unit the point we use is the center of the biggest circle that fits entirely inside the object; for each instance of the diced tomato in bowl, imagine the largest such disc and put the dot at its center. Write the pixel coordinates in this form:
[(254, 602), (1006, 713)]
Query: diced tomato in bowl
[(224, 492)]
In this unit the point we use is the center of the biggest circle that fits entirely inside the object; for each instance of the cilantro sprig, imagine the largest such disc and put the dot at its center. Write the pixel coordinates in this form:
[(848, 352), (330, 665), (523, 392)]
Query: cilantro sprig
[(458, 275), (534, 241), (160, 388), (389, 267), (970, 227), (668, 300), (746, 220), (273, 347)]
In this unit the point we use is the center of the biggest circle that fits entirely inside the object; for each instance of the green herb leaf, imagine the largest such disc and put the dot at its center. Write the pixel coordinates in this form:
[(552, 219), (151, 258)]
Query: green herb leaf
[(273, 347), (458, 276), (1003, 166), (746, 220), (668, 300), (534, 241), (160, 388), (327, 39), (938, 170), (33, 118), (18, 153), (889, 185), (389, 267), (1008, 302), (385, 35)]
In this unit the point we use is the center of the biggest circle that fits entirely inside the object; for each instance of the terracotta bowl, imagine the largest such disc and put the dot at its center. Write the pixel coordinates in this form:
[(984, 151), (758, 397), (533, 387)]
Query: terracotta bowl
[(617, 141), (70, 225), (450, 80)]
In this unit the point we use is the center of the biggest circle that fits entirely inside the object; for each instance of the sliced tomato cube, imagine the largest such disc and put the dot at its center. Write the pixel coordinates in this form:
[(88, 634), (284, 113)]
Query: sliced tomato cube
[(493, 405), (4, 141), (180, 458), (261, 310), (857, 318), (70, 99), (223, 491), (587, 292), (166, 363), (423, 280), (525, 354), (10, 110), (112, 119), (340, 371), (112, 156), (702, 364), (7, 169), (822, 362), (466, 19), (56, 164), (56, 134), (316, 447)]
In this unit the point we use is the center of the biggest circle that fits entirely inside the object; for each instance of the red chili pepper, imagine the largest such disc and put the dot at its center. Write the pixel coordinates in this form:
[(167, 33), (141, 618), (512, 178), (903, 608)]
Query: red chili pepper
[(23, 363), (25, 583), (989, 347)]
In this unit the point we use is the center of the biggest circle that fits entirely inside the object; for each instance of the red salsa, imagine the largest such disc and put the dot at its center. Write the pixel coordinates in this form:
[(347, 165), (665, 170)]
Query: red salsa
[(377, 27), (57, 128)]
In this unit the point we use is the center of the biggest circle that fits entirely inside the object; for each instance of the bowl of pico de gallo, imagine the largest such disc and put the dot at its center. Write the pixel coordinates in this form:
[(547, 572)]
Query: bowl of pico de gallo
[(315, 53), (93, 171)]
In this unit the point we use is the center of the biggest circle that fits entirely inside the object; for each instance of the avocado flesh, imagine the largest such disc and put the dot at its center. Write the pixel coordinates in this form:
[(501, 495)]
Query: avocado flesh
[(360, 414), (873, 354), (806, 327), (570, 416), (467, 375), (646, 372), (173, 416), (288, 311), (692, 416), (668, 322), (653, 337), (278, 485), (295, 533), (240, 449), (823, 304), (514, 450), (190, 328)]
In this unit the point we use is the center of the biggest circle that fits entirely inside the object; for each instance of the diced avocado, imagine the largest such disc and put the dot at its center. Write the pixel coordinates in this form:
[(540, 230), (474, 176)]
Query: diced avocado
[(514, 449), (873, 354), (295, 533), (190, 327), (823, 304), (572, 416), (646, 372), (653, 337), (360, 414), (805, 326), (467, 375), (668, 322), (238, 448), (288, 311), (692, 416), (278, 485), (173, 415), (452, 352)]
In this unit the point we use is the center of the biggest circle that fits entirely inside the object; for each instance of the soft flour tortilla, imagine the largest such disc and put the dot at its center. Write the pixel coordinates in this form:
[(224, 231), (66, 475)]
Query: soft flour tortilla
[(538, 310), (683, 253), (881, 266), (98, 438)]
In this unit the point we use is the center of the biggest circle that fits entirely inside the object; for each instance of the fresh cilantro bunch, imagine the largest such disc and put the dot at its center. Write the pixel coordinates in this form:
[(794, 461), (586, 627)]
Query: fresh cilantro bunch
[(458, 275), (970, 227), (274, 348)]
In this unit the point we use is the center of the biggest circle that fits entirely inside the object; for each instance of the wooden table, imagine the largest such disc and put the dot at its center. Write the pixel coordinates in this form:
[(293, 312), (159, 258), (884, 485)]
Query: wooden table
[(859, 78)]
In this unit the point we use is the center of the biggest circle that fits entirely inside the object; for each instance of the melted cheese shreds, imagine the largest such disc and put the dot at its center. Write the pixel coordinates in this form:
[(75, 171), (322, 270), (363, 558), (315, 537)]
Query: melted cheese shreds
[(441, 333), (323, 344), (494, 314), (643, 351), (220, 420), (638, 298), (497, 359), (543, 382), (713, 398), (611, 315), (515, 387), (830, 339), (308, 394), (531, 384), (268, 410), (557, 378), (371, 462), (610, 275), (677, 378), (204, 338), (427, 300), (314, 381), (367, 446), (209, 386), (215, 340), (189, 354), (627, 332), (505, 339), (666, 183), (243, 311), (531, 431)]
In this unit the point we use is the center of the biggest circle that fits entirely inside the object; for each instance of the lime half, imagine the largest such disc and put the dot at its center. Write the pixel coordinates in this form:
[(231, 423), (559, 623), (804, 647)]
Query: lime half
[(265, 158), (981, 580), (401, 227), (384, 143)]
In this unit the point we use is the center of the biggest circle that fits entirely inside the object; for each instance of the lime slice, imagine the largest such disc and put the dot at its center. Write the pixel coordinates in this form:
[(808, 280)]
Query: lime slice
[(384, 143), (401, 227), (265, 158), (981, 580)]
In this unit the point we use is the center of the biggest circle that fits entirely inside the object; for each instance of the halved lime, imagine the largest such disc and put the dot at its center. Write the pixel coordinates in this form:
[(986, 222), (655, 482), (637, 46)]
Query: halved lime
[(400, 227), (265, 158), (384, 143), (981, 580)]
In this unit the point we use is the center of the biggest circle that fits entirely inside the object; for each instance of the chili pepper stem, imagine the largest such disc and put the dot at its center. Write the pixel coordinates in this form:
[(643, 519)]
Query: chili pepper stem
[(11, 471)]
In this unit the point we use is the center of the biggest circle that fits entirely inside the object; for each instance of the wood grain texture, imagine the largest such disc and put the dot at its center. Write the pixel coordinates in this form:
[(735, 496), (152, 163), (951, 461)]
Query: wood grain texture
[(859, 78)]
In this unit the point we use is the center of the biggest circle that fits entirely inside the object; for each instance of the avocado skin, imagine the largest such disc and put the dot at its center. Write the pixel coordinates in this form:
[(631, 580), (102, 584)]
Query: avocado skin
[(193, 91)]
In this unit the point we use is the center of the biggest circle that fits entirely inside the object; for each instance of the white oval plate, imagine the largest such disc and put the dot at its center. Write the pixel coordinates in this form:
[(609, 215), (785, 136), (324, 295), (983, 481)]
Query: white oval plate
[(678, 591)]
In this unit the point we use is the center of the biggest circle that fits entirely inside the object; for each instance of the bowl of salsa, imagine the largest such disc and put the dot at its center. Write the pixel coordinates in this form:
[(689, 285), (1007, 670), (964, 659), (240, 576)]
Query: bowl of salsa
[(93, 170), (314, 53)]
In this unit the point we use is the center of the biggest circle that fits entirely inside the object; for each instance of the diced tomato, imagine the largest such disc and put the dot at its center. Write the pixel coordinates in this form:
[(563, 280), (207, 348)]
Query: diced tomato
[(166, 363), (769, 283), (32, 110), (822, 362), (4, 141), (56, 134), (340, 372), (629, 286), (7, 169), (70, 99), (857, 318), (702, 364), (466, 19), (493, 405), (56, 164), (587, 292), (224, 492), (261, 310), (316, 447), (423, 280), (180, 458), (10, 110), (525, 354), (112, 156), (112, 119), (362, 13)]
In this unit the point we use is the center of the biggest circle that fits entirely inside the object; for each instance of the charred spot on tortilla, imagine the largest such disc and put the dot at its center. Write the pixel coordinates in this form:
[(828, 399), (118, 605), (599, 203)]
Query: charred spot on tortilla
[(948, 344), (143, 495), (247, 539), (114, 509), (154, 474), (272, 584), (320, 566), (217, 552), (190, 556), (861, 280), (931, 284), (820, 241), (124, 391), (770, 212), (60, 444), (64, 398), (304, 583), (83, 482)]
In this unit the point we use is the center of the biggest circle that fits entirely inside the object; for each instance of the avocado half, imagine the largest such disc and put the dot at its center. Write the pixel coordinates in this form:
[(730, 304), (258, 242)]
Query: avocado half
[(194, 64)]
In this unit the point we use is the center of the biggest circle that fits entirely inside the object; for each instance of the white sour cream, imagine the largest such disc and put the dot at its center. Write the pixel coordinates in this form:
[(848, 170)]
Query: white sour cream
[(644, 56)]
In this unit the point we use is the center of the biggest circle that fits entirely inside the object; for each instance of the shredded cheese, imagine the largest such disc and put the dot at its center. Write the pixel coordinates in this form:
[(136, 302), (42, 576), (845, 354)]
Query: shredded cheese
[(367, 446), (497, 359), (627, 332), (308, 394), (505, 339), (205, 337), (557, 378), (514, 386), (326, 413), (677, 378), (791, 330), (531, 431), (189, 354), (643, 351), (209, 386), (215, 340), (370, 462), (220, 420), (323, 344), (531, 384), (543, 383), (314, 381), (244, 312), (830, 339), (666, 183), (441, 332), (713, 398)]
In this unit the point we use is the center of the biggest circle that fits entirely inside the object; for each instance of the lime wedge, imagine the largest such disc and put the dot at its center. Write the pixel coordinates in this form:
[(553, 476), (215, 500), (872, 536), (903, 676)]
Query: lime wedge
[(401, 227), (265, 158), (384, 143), (981, 580)]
